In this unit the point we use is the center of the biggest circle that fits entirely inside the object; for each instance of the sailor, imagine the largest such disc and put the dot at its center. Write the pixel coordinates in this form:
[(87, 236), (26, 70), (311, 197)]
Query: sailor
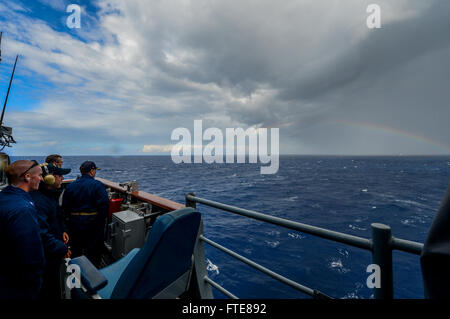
[(54, 159), (86, 203), (22, 259), (53, 234)]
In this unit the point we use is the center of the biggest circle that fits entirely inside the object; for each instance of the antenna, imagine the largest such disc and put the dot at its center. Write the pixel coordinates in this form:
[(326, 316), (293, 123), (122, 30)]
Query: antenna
[(7, 93), (6, 137)]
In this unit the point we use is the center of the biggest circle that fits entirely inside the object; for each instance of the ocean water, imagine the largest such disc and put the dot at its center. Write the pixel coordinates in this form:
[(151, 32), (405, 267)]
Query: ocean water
[(345, 194)]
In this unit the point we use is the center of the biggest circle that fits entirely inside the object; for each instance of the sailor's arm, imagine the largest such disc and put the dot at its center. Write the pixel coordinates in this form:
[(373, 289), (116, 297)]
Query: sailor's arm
[(51, 243)]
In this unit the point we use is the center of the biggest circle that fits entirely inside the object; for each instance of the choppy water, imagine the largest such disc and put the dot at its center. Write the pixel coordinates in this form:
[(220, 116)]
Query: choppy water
[(345, 194)]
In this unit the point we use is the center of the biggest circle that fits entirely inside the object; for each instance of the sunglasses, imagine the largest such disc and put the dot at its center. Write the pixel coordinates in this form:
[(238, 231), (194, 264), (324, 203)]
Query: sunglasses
[(35, 163)]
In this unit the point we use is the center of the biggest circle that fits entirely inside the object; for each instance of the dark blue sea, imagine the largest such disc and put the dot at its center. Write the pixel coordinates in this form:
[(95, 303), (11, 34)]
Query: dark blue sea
[(345, 194)]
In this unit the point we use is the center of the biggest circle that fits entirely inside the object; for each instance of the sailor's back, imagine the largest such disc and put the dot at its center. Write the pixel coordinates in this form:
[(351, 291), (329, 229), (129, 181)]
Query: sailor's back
[(86, 203), (86, 194)]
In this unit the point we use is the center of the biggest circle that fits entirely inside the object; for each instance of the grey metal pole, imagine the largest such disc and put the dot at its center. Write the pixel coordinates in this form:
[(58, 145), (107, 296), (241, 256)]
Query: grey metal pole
[(190, 203), (316, 231), (203, 287), (382, 256)]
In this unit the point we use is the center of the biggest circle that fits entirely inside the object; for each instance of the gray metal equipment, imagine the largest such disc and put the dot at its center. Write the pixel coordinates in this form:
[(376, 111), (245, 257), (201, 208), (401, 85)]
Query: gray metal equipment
[(4, 162), (128, 232)]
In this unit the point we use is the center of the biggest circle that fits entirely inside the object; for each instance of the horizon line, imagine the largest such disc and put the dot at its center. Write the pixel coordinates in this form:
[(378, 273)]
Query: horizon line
[(343, 155)]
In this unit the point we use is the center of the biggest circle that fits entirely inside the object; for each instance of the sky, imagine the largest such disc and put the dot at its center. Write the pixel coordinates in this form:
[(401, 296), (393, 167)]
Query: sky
[(136, 70)]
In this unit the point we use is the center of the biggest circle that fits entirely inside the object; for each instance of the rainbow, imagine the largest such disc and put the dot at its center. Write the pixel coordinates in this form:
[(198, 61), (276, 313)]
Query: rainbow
[(385, 128)]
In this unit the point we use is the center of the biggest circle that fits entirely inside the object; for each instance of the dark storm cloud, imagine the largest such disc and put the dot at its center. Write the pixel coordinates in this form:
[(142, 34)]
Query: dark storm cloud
[(382, 51), (302, 71)]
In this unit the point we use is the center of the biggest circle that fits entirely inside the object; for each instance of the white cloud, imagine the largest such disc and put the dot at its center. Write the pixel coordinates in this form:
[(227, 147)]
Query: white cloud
[(8, 5), (157, 148)]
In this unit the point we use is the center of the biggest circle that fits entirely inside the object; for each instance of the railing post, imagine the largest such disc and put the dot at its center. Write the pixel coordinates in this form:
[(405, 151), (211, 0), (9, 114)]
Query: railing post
[(190, 203), (382, 256), (199, 287), (204, 288)]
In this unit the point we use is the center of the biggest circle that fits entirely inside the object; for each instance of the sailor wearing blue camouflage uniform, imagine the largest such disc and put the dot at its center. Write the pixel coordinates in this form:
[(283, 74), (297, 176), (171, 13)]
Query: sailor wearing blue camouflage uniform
[(86, 203), (53, 234), (22, 258)]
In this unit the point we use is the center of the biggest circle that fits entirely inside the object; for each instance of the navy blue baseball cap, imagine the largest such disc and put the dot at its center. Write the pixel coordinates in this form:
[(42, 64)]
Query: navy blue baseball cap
[(55, 170), (87, 166)]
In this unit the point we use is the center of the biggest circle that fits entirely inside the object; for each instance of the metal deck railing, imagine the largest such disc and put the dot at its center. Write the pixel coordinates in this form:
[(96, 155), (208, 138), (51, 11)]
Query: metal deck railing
[(381, 245)]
